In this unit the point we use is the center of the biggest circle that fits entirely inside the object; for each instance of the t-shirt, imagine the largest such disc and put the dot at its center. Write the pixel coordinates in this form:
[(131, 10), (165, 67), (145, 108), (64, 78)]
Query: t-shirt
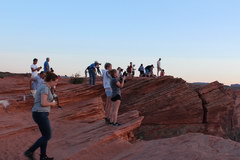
[(141, 68), (162, 74), (43, 89), (46, 67), (37, 82), (148, 68), (115, 89), (92, 67), (106, 79), (35, 73)]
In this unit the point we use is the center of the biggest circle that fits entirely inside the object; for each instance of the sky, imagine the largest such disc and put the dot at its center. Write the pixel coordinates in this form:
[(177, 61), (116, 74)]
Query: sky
[(198, 41)]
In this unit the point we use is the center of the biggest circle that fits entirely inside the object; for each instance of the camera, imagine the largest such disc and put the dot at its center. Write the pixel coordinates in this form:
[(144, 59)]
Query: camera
[(124, 75)]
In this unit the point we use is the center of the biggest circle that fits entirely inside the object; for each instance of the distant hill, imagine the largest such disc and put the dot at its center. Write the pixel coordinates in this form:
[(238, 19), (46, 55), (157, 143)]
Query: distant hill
[(235, 86), (8, 74)]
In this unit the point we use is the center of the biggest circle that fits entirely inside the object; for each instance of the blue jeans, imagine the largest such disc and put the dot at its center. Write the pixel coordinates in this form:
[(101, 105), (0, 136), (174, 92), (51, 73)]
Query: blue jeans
[(92, 77), (41, 118)]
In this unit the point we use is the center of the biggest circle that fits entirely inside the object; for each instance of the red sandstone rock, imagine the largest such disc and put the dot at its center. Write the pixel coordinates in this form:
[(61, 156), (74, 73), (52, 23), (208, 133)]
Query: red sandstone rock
[(171, 107)]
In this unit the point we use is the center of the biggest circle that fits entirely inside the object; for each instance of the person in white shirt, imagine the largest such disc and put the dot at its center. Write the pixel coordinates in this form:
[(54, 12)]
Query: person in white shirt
[(159, 66), (108, 90), (34, 68)]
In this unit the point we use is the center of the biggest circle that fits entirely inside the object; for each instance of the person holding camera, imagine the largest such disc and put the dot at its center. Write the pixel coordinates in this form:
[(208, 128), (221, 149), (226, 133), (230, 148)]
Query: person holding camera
[(92, 69), (42, 105), (34, 68), (116, 86)]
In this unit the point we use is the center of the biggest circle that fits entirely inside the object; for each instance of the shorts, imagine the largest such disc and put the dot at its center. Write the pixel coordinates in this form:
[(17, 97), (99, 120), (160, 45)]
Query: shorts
[(108, 92), (115, 98)]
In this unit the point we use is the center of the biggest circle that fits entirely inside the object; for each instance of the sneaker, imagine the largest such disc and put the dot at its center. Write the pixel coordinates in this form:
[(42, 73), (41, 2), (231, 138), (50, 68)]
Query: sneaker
[(46, 158), (29, 155), (116, 124)]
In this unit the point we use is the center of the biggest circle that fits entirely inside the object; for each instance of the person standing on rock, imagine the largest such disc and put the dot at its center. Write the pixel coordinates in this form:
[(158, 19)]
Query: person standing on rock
[(34, 68), (92, 69), (40, 111), (46, 66), (159, 66), (108, 90), (141, 70), (130, 70), (116, 96)]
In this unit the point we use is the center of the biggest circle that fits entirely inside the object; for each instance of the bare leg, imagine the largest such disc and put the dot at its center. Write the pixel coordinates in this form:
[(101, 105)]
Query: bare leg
[(115, 111), (108, 107)]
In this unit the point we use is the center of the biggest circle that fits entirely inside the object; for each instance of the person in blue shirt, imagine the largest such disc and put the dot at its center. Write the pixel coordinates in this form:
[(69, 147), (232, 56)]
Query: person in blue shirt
[(36, 82), (46, 65), (141, 70), (92, 69)]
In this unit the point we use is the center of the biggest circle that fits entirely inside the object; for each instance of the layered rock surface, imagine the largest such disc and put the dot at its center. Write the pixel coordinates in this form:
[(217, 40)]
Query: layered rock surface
[(171, 107)]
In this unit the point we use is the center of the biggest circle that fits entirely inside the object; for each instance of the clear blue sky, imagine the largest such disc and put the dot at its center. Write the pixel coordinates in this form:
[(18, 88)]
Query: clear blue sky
[(198, 40)]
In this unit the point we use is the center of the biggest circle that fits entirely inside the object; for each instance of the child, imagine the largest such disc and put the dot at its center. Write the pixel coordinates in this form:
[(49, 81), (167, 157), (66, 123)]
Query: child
[(108, 90), (116, 96)]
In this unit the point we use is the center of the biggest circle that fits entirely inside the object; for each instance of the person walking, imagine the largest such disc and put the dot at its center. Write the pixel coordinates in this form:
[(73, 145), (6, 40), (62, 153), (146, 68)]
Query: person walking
[(40, 112)]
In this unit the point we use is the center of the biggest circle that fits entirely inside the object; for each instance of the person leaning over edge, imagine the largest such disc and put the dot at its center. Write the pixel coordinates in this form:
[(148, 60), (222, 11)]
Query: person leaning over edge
[(40, 111), (92, 69)]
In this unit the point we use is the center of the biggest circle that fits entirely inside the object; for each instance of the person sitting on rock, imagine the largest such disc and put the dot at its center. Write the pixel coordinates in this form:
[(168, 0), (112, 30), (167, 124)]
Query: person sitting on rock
[(108, 90), (162, 73), (116, 96)]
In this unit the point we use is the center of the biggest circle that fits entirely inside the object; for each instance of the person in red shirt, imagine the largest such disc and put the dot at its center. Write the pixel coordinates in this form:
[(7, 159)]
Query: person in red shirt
[(162, 73)]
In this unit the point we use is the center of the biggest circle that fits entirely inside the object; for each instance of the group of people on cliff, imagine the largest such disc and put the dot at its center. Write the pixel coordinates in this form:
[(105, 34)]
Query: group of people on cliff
[(113, 81), (94, 69), (44, 84)]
